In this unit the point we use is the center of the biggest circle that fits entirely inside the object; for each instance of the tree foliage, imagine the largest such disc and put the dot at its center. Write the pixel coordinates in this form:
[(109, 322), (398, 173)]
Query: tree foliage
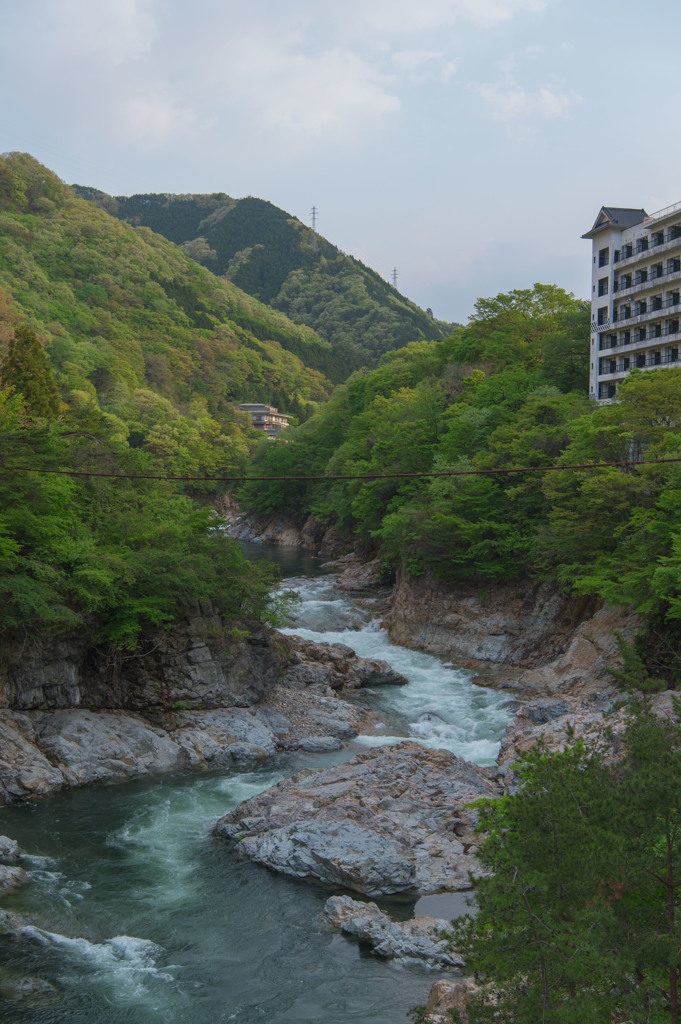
[(120, 556), (25, 368), (578, 915)]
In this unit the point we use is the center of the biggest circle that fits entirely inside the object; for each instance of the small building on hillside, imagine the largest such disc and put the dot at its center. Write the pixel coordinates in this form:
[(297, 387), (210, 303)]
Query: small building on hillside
[(635, 294), (265, 417)]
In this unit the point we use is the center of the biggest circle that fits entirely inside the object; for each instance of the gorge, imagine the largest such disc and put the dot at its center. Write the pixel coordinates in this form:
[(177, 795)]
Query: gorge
[(197, 922)]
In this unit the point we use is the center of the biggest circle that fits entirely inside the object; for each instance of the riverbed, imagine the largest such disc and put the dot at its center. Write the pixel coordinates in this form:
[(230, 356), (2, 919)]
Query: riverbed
[(141, 915)]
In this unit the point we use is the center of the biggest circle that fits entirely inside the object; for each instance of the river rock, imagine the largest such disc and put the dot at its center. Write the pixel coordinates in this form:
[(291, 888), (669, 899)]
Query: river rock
[(421, 938), (12, 877), (448, 995), (318, 744), (44, 751), (360, 575), (105, 746), (30, 990), (223, 737), (10, 923), (391, 820), (9, 850), (25, 772), (295, 715), (334, 665)]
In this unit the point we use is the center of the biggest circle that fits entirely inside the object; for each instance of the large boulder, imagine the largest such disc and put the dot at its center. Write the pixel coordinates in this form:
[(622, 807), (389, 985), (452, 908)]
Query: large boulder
[(44, 751), (391, 820), (333, 665), (104, 747)]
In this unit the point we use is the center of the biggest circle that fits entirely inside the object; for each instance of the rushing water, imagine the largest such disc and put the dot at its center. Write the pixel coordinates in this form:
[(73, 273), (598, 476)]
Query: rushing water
[(439, 707), (140, 916)]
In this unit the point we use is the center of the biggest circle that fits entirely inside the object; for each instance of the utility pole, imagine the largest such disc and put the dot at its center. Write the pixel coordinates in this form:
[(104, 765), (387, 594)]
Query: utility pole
[(313, 214)]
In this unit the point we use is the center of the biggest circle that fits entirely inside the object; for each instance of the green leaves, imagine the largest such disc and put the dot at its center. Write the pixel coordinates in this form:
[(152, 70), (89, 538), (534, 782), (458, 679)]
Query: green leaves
[(578, 917), (25, 369), (122, 556)]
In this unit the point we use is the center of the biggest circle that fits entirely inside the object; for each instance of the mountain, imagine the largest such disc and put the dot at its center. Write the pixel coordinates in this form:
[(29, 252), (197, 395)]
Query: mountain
[(121, 310), (277, 259)]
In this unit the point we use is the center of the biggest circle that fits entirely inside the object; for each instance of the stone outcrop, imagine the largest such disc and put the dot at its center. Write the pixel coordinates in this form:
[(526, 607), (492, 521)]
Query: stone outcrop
[(285, 530), (202, 662), (42, 752), (421, 938), (391, 820), (559, 722), (525, 637), (334, 665)]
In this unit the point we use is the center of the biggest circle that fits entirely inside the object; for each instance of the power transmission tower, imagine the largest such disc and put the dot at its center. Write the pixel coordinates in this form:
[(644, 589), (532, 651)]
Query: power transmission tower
[(313, 214), (394, 277)]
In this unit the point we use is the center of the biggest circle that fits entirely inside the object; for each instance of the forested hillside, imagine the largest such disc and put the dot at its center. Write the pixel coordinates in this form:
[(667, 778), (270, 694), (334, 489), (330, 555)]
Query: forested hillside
[(120, 354), (275, 258), (509, 390)]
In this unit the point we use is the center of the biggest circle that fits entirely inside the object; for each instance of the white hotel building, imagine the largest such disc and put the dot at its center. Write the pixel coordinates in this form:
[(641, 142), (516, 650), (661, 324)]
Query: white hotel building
[(635, 294)]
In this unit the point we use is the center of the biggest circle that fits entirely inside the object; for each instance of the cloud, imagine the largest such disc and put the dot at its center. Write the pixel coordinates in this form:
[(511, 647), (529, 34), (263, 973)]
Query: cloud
[(103, 31), (424, 65), (287, 90), (161, 74), (397, 17), (153, 119), (510, 102)]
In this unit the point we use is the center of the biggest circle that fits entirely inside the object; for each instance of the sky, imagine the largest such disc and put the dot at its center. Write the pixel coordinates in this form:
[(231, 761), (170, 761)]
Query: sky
[(466, 144)]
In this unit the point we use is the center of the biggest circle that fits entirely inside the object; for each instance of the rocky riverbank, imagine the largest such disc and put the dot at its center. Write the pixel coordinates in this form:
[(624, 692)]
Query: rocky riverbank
[(202, 695)]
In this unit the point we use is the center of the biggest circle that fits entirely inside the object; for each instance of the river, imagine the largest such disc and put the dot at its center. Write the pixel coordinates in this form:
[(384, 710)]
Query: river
[(142, 917)]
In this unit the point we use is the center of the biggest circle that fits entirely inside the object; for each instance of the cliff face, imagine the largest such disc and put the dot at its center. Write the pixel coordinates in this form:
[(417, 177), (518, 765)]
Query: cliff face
[(284, 530), (201, 663), (527, 637)]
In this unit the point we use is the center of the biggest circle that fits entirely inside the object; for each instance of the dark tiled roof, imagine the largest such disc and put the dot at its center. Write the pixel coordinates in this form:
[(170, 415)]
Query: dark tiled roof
[(617, 217)]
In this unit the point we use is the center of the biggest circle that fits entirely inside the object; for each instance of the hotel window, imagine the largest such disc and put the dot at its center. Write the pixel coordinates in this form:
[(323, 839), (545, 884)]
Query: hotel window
[(604, 257)]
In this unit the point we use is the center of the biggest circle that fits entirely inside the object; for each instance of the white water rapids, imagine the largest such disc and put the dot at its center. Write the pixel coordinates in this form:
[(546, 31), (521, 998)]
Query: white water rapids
[(440, 707)]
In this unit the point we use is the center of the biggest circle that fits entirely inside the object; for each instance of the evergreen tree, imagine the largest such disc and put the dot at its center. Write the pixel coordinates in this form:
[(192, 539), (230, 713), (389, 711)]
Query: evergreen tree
[(579, 912), (25, 368)]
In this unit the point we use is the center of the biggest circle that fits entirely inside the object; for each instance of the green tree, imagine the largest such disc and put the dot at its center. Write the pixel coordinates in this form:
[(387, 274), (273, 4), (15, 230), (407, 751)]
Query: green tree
[(541, 932), (25, 368), (578, 914)]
